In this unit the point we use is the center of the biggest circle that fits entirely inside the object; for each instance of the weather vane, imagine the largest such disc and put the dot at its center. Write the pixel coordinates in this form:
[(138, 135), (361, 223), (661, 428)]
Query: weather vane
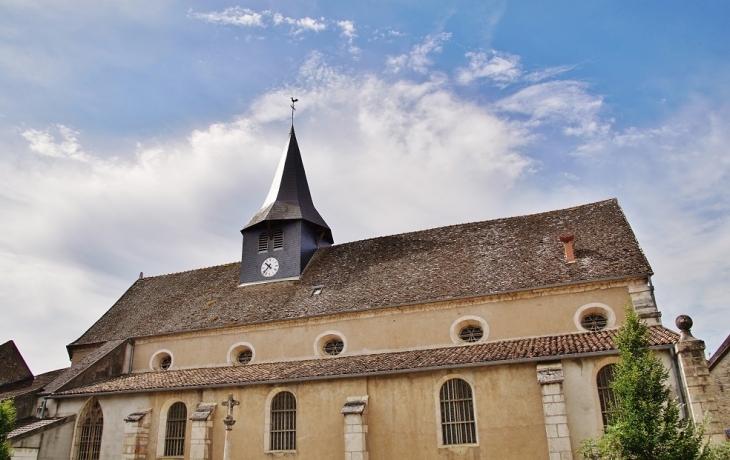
[(293, 109)]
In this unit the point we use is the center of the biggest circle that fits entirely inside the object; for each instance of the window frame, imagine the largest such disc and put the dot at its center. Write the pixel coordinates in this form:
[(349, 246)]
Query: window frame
[(603, 390), (439, 404), (89, 431), (270, 422), (162, 428), (174, 445)]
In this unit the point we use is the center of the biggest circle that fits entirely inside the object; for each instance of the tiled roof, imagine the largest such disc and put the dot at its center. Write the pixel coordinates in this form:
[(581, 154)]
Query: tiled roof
[(13, 390), (466, 260), (30, 425), (412, 360)]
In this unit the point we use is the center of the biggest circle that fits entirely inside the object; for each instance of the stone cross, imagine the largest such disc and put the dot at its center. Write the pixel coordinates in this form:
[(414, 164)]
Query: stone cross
[(230, 403)]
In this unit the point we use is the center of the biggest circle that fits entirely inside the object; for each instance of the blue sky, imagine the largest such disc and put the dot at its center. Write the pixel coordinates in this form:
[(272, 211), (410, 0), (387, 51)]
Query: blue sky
[(140, 136)]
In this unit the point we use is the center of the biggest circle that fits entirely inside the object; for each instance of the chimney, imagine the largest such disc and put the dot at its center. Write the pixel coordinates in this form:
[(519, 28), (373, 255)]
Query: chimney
[(567, 241)]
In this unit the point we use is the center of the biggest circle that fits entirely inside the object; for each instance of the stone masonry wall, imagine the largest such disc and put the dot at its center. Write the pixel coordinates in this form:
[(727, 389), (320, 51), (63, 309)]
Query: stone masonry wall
[(720, 374)]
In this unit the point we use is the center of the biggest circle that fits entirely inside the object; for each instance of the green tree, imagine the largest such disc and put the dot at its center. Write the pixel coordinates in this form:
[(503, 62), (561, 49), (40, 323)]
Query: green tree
[(645, 422), (7, 423)]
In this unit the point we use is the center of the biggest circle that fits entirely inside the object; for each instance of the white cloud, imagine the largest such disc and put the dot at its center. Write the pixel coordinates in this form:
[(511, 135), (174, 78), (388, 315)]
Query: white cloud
[(502, 68), (245, 17), (348, 31), (565, 102), (419, 58), (44, 143), (549, 72), (235, 15)]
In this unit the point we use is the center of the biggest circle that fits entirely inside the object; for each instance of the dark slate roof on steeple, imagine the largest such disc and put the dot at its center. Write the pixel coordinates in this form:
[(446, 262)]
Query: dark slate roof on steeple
[(503, 255), (289, 197)]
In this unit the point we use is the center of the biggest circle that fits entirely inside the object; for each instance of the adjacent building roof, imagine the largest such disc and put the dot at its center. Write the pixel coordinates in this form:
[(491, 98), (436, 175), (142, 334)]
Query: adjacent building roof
[(289, 197), (558, 346), (13, 390), (468, 260), (32, 425), (12, 365), (88, 362), (720, 353)]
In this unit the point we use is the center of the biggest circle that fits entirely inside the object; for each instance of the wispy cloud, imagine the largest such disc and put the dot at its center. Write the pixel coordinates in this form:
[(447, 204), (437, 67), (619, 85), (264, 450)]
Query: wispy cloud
[(297, 27), (502, 68), (566, 103), (45, 143), (419, 58), (348, 31), (235, 15)]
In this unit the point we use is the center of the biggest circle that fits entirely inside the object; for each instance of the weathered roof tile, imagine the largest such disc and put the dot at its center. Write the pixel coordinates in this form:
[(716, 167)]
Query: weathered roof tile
[(338, 367), (494, 256)]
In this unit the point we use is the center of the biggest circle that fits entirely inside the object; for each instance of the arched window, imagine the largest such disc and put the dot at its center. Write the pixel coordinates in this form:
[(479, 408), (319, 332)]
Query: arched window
[(175, 430), (279, 239), (90, 438), (458, 425), (263, 242), (283, 422), (605, 393)]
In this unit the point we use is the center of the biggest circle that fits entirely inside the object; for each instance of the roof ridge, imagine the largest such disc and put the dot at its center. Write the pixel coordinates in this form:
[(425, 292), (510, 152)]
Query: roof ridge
[(188, 271), (475, 222), (415, 232)]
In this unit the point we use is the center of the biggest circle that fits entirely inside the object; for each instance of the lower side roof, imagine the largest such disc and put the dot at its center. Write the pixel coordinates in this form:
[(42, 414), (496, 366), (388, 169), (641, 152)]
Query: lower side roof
[(556, 346)]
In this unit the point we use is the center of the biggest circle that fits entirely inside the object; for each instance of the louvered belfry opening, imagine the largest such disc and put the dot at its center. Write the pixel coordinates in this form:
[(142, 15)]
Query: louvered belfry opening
[(283, 422), (279, 239), (606, 396), (457, 413), (90, 441), (175, 430), (263, 242)]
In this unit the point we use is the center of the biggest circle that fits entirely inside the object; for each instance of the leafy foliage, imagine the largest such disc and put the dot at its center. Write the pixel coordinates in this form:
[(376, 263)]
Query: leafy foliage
[(645, 423), (7, 423)]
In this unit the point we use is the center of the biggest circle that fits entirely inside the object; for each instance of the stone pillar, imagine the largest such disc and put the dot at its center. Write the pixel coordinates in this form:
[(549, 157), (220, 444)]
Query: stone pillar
[(136, 435), (200, 438), (642, 300), (550, 377), (356, 428), (699, 388)]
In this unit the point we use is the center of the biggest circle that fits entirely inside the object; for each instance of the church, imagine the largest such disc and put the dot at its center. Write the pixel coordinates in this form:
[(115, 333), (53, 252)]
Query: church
[(484, 340)]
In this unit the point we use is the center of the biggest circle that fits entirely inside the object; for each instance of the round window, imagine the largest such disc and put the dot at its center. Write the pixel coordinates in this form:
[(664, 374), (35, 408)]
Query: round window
[(166, 362), (245, 356), (334, 347), (471, 333), (594, 322)]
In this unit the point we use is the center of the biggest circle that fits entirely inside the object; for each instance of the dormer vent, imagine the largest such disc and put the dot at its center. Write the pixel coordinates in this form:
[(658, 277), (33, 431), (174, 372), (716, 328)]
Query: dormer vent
[(567, 241)]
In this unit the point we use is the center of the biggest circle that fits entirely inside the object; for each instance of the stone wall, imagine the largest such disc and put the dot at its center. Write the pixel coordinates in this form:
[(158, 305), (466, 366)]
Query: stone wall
[(720, 373)]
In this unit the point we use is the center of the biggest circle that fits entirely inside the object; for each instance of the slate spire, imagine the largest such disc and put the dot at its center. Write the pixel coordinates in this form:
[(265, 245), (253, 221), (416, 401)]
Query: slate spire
[(289, 197)]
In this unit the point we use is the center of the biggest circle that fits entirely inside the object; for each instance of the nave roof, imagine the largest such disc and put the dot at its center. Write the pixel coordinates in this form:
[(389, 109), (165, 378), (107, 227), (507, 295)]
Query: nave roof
[(459, 261)]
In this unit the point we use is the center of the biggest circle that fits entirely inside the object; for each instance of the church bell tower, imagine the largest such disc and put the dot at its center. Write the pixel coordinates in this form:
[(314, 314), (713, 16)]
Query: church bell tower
[(282, 237)]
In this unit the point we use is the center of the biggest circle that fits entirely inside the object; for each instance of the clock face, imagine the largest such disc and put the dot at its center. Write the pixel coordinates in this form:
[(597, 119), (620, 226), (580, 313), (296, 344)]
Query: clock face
[(270, 267)]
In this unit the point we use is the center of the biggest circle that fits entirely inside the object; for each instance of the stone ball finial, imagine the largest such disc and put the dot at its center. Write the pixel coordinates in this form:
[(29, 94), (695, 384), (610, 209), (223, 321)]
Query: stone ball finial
[(684, 323)]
